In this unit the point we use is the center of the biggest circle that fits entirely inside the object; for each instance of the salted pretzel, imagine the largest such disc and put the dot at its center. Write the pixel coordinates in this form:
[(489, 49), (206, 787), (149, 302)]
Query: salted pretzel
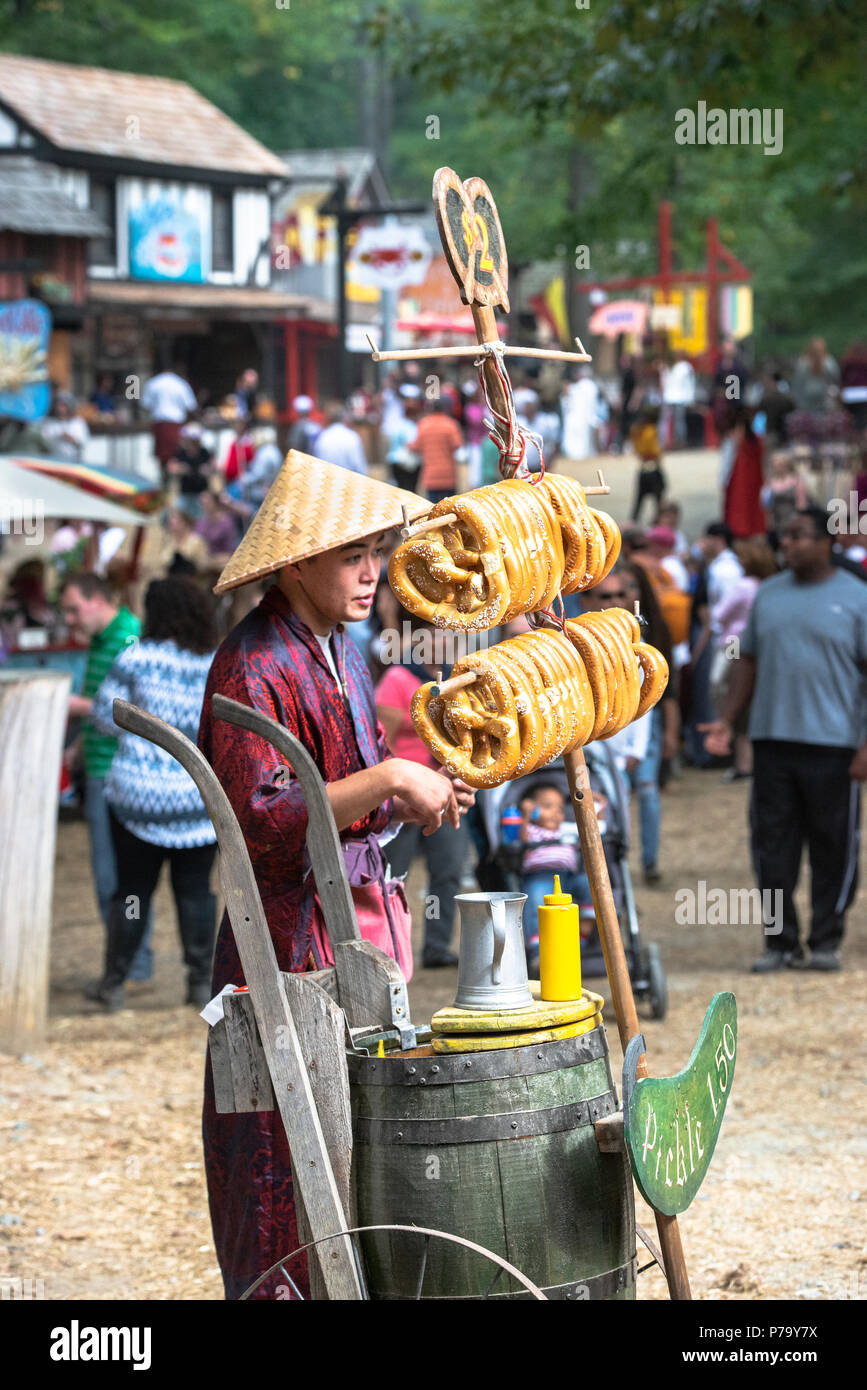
[(591, 539), (539, 695), (513, 547)]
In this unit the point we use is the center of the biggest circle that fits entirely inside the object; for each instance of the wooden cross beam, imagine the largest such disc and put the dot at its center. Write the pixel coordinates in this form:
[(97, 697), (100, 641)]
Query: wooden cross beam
[(416, 354)]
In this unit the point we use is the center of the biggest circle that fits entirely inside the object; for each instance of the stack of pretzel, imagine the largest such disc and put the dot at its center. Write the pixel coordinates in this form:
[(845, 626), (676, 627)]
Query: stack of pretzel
[(511, 548), (539, 695)]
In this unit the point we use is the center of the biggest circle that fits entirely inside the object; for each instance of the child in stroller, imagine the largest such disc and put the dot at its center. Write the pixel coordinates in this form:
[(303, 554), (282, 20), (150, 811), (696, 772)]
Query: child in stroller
[(549, 845), (502, 863)]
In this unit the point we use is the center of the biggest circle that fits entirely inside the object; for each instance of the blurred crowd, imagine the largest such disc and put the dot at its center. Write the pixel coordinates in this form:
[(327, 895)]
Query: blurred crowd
[(139, 602)]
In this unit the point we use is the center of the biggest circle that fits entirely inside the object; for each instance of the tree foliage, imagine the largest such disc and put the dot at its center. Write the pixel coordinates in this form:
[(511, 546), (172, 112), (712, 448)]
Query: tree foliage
[(601, 87), (569, 113)]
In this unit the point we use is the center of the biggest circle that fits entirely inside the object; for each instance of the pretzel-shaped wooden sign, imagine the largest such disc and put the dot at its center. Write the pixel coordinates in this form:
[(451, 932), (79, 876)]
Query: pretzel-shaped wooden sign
[(472, 238)]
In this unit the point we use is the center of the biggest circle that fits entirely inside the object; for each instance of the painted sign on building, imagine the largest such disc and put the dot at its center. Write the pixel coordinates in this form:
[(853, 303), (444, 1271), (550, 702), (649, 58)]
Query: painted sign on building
[(25, 328), (390, 257), (165, 242)]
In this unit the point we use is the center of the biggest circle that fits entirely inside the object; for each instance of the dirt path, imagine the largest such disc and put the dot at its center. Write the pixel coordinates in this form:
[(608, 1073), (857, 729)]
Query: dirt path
[(103, 1193)]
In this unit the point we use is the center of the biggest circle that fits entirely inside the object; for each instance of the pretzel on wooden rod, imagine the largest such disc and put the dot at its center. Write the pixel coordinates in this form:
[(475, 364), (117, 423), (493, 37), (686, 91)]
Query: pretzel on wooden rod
[(511, 548), (540, 695)]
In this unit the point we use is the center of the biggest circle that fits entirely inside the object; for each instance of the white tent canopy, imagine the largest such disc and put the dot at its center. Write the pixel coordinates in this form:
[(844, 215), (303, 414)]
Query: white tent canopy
[(26, 496)]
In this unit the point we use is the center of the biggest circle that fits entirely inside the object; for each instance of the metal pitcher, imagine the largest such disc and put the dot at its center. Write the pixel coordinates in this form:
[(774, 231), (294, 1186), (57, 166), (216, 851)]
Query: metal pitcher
[(492, 973)]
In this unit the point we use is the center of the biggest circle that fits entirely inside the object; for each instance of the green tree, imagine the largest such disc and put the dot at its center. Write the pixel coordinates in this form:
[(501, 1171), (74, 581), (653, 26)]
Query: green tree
[(291, 76), (577, 109)]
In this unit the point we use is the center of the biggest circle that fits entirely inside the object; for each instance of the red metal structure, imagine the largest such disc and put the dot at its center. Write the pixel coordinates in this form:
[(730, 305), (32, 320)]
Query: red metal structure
[(721, 268)]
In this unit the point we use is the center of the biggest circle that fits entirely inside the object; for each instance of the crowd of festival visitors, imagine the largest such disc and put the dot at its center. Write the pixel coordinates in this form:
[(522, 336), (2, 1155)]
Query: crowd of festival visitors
[(741, 613)]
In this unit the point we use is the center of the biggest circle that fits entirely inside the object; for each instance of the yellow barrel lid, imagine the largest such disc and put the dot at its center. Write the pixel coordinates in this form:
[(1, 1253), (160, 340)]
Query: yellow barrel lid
[(557, 899)]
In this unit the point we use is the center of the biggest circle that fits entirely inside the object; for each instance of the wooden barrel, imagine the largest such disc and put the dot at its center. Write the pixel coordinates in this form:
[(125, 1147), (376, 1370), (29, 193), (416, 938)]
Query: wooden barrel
[(497, 1147)]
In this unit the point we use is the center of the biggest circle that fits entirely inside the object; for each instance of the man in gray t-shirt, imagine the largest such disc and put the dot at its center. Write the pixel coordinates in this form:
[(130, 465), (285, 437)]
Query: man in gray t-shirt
[(803, 655)]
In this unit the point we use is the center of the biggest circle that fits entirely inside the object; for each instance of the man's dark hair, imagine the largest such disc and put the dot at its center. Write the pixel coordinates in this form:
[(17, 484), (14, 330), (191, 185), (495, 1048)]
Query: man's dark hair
[(819, 517), (721, 531), (88, 585), (177, 609)]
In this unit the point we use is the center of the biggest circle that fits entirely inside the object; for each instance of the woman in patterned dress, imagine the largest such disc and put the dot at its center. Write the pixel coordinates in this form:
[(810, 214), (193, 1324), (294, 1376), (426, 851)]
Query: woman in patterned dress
[(155, 810)]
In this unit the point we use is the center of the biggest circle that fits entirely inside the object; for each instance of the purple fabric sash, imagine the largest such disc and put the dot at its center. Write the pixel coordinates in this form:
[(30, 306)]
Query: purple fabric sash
[(365, 864)]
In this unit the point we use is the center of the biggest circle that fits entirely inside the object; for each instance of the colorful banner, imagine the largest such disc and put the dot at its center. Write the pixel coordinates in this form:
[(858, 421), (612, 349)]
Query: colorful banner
[(165, 243), (25, 328), (736, 310), (619, 316), (666, 316), (555, 303), (691, 336)]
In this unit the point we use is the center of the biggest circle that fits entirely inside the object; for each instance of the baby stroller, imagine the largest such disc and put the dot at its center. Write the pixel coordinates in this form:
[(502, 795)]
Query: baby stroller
[(500, 863)]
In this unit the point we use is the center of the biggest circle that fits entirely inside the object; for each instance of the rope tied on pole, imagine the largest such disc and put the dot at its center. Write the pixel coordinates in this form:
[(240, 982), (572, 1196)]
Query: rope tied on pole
[(504, 430)]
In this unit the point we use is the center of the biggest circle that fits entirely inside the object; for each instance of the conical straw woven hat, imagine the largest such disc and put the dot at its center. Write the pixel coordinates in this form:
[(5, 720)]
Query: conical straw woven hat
[(313, 506)]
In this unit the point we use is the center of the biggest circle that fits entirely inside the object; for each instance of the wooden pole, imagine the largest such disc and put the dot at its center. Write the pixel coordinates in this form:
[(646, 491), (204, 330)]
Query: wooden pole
[(487, 332), (454, 683), (712, 252), (434, 523), (597, 869), (33, 709), (618, 975)]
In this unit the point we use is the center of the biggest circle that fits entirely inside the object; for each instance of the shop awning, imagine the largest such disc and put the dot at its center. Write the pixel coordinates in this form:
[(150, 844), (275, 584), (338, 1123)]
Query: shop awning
[(252, 301), (127, 489)]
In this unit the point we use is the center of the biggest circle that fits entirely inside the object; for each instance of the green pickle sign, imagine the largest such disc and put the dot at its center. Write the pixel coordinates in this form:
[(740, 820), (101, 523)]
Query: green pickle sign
[(671, 1123)]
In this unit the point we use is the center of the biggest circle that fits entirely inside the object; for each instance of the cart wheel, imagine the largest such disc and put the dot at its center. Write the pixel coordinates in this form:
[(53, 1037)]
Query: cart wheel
[(420, 1238), (658, 987)]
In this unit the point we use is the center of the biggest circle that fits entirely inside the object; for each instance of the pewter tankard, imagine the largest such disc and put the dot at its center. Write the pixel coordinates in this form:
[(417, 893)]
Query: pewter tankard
[(492, 972)]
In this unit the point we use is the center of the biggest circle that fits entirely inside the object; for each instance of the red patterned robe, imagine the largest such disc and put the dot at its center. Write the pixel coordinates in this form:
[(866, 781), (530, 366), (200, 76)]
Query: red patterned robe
[(273, 662)]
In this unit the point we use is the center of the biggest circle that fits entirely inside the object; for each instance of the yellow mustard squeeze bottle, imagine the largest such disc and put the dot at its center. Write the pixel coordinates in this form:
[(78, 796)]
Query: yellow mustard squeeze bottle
[(559, 946)]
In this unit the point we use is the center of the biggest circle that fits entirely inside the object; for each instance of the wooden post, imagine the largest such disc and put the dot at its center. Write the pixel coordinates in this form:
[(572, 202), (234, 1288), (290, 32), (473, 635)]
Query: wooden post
[(618, 975), (321, 1028), (33, 709)]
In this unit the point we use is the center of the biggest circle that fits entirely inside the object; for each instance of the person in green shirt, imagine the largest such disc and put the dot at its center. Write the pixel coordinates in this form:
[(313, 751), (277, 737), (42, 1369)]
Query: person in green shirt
[(91, 617)]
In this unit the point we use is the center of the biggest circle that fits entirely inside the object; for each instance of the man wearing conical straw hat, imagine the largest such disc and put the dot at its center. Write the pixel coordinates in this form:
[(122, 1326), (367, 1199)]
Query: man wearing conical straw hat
[(321, 532)]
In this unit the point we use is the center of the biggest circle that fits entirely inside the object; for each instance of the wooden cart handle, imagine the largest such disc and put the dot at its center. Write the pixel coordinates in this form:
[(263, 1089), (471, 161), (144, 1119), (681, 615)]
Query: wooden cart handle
[(310, 1162), (323, 841)]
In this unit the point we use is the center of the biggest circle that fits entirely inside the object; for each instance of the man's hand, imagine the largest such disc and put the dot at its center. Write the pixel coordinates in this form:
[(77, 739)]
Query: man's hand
[(428, 796), (717, 737), (465, 795), (858, 765)]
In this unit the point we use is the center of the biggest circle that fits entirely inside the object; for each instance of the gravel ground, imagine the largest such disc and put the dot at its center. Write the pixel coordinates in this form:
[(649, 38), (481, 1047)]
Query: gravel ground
[(103, 1194)]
